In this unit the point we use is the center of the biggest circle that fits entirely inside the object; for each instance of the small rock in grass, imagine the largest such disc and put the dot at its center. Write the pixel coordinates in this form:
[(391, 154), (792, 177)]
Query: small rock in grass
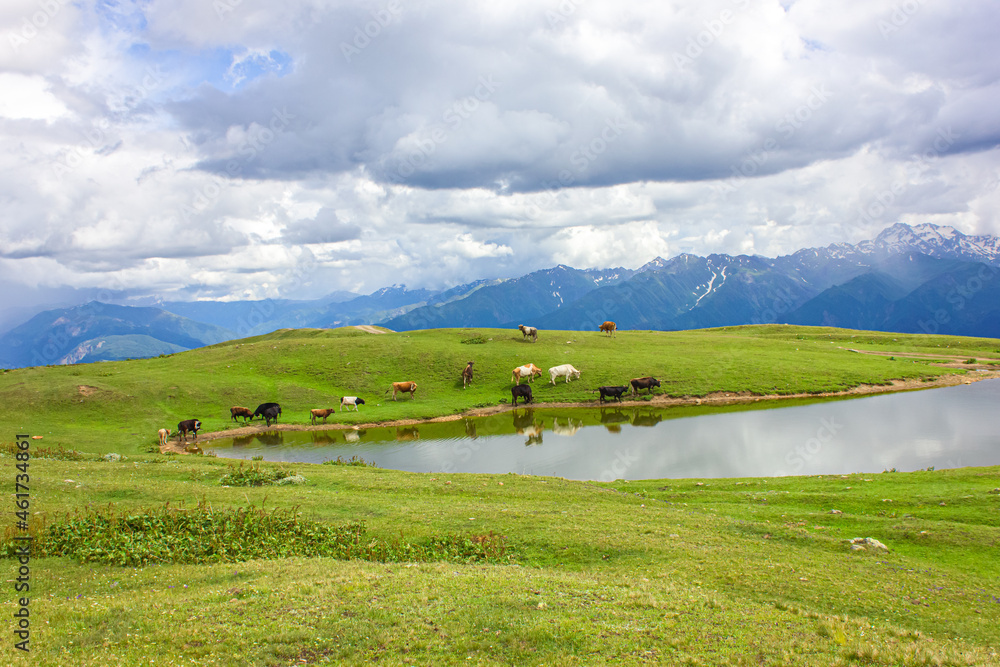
[(867, 543), (113, 457), (835, 512)]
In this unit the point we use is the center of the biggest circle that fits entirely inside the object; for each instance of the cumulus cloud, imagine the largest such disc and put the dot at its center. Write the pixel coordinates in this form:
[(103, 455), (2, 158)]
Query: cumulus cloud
[(191, 145)]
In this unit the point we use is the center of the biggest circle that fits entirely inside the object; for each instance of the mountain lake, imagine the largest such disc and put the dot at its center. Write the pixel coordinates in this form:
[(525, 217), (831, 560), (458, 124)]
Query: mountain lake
[(941, 428)]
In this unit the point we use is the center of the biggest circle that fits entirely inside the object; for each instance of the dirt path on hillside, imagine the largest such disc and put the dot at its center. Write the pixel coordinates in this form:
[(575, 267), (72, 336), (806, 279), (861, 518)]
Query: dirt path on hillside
[(658, 400), (367, 328), (946, 360)]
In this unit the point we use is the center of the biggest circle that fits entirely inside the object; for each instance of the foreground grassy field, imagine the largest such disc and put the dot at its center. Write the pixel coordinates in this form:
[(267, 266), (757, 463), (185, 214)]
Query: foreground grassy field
[(695, 572), (119, 406), (698, 572)]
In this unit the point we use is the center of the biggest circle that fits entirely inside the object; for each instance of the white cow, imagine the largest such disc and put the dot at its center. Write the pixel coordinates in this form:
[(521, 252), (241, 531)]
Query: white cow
[(351, 402), (565, 369), (527, 371)]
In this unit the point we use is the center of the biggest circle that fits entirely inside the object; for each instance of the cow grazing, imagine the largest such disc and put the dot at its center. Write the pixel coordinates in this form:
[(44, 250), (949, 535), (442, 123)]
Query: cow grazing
[(403, 387), (565, 369), (609, 328), (271, 414), (237, 411), (467, 375), (528, 370), (528, 332), (644, 383), (188, 425), (612, 392), (320, 413), (164, 434), (259, 412), (520, 391), (350, 401)]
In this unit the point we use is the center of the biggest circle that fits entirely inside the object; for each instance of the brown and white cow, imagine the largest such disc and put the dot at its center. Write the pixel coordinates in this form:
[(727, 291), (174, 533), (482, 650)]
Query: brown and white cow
[(320, 413), (403, 387), (164, 434), (528, 370), (609, 328), (192, 425), (467, 375), (526, 332)]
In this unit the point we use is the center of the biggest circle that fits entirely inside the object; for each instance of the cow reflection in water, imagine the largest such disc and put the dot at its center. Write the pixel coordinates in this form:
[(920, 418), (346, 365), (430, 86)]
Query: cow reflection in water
[(322, 437), (271, 438), (407, 433), (648, 419), (353, 435), (612, 420), (470, 429), (571, 427), (243, 441), (525, 424)]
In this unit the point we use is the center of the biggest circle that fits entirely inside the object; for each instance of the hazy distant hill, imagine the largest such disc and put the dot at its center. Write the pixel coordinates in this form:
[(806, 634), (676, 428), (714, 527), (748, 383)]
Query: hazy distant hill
[(99, 331)]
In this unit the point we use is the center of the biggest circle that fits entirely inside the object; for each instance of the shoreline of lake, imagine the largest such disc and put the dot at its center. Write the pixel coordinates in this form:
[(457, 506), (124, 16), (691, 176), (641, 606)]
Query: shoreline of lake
[(657, 401)]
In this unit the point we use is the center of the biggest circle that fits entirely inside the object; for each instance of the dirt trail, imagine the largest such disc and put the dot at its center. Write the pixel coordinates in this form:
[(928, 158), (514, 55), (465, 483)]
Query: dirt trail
[(658, 400), (367, 328)]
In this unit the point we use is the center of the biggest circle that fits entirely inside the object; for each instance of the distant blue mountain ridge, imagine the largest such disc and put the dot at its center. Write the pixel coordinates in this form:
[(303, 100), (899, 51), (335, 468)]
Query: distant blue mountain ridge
[(925, 278)]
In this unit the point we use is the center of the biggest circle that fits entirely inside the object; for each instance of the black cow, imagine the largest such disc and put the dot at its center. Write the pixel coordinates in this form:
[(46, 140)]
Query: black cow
[(271, 414), (612, 392), (522, 391), (259, 412), (644, 383), (188, 425)]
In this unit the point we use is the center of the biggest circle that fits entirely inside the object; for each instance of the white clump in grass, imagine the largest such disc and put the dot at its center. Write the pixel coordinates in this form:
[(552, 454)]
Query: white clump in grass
[(294, 479), (865, 543)]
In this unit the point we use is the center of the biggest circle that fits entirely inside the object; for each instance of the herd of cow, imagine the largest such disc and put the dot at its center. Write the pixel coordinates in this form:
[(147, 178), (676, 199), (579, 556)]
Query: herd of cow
[(270, 412)]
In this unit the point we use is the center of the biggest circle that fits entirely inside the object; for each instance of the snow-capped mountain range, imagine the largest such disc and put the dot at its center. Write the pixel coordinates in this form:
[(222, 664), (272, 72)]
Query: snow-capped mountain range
[(925, 278)]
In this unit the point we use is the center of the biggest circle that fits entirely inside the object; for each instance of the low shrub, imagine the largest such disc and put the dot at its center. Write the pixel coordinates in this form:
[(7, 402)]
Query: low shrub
[(204, 535), (254, 475)]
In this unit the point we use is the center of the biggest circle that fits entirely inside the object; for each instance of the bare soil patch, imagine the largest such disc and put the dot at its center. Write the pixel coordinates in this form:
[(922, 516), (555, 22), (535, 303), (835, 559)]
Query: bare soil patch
[(367, 328), (658, 400)]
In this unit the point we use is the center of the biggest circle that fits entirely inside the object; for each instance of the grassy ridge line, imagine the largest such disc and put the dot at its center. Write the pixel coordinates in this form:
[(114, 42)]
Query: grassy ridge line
[(713, 572), (119, 406)]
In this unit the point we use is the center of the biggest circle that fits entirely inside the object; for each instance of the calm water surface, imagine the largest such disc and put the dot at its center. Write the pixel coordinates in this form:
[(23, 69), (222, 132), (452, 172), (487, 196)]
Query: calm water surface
[(945, 428)]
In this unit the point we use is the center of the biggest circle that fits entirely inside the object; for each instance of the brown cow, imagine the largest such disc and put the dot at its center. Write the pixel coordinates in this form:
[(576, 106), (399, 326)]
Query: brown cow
[(321, 413), (402, 387), (609, 328), (237, 411), (467, 376), (164, 434)]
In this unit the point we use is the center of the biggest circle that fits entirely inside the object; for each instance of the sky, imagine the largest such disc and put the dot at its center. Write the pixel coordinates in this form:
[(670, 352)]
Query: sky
[(248, 149)]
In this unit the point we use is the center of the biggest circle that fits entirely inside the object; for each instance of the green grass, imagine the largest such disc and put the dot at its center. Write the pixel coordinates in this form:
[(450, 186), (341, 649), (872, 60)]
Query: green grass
[(712, 572), (687, 572), (124, 403)]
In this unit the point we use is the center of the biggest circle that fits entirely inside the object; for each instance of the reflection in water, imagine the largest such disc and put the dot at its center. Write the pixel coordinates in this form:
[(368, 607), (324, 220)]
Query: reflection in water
[(407, 433), (243, 441), (612, 419), (323, 437), (945, 428), (571, 427), (525, 424), (651, 418), (271, 438), (353, 434)]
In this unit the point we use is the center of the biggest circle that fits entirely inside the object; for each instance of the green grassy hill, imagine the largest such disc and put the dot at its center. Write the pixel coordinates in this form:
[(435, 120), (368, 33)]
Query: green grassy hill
[(685, 572), (119, 406)]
